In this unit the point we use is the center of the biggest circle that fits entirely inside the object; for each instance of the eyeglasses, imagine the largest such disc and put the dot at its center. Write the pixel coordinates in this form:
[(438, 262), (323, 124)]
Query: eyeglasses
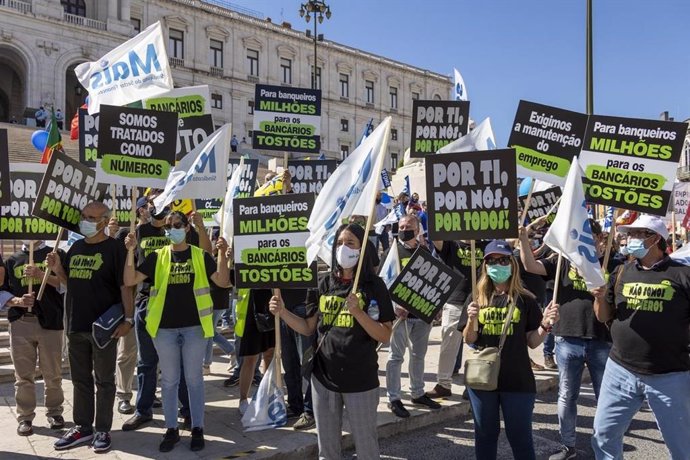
[(175, 225), (498, 260), (640, 234), (91, 218)]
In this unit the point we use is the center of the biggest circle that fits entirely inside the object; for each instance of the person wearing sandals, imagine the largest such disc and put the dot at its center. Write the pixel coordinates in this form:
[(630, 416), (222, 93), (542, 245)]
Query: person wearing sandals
[(349, 328), (500, 292), (180, 318)]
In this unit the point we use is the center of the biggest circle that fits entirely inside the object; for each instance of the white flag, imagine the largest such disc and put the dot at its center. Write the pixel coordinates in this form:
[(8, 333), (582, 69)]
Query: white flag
[(349, 191), (230, 194), (459, 90), (480, 138), (391, 266), (571, 234), (682, 255), (137, 69), (391, 218), (267, 408), (202, 173)]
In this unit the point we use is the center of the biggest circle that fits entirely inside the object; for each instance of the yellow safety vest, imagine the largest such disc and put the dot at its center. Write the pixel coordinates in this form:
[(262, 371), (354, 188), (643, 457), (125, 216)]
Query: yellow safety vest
[(241, 308), (202, 291)]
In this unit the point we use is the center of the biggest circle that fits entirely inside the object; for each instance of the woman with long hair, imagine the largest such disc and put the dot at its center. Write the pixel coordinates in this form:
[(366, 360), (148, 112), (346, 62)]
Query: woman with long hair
[(500, 287), (349, 326)]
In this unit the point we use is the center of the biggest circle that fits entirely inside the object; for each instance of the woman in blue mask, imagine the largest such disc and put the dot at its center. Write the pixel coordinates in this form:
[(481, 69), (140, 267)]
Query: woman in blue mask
[(499, 288)]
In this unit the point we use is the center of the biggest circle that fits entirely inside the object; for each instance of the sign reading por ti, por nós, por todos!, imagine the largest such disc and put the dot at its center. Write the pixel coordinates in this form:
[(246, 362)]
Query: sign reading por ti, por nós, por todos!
[(436, 124)]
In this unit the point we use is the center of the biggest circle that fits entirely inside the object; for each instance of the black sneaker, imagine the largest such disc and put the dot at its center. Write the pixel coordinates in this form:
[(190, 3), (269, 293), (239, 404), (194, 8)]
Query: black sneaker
[(398, 409), (157, 403), (292, 413), (25, 428), (187, 423), (197, 439), (233, 381), (135, 422), (305, 422), (565, 453), (171, 437), (124, 407), (102, 443), (73, 437), (424, 400), (256, 381), (56, 422)]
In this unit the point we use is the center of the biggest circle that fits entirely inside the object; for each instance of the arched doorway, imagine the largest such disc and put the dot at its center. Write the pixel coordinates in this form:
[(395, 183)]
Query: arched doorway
[(12, 84), (75, 94)]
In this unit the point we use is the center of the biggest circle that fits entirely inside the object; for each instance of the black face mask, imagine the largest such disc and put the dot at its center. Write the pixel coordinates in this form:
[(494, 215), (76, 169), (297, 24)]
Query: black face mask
[(160, 215), (378, 201), (406, 235)]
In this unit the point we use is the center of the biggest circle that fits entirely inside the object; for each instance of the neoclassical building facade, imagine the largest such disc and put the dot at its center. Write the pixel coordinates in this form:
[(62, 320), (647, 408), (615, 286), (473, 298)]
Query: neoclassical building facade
[(209, 43)]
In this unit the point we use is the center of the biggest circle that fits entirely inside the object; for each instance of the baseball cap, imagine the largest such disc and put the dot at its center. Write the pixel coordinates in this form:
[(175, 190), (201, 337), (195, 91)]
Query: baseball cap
[(142, 201), (498, 247), (647, 222)]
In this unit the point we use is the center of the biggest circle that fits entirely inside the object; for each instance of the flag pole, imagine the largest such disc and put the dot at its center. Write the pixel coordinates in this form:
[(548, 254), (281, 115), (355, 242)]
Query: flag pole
[(47, 272), (278, 352), (473, 269), (31, 262), (559, 265), (113, 197), (132, 224), (527, 202), (673, 226), (609, 241)]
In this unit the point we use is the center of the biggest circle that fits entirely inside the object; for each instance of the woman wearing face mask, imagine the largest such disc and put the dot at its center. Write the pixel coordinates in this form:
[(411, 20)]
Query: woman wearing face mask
[(498, 288), (180, 318), (349, 328)]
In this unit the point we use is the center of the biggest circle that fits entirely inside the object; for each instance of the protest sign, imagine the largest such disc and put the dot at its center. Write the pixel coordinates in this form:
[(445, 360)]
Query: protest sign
[(631, 163), (67, 187), (287, 119), (545, 140), (4, 169), (540, 205), (472, 195), (88, 137), (308, 176), (436, 124), (424, 285), (16, 221), (122, 208), (209, 208), (135, 146), (269, 242)]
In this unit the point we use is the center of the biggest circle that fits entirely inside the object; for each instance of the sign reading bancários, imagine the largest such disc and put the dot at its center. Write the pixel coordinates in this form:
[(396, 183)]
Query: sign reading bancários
[(16, 221), (631, 163), (270, 235), (545, 140), (287, 119), (209, 208), (436, 124), (308, 176), (540, 204), (424, 285), (472, 195), (5, 198), (135, 146)]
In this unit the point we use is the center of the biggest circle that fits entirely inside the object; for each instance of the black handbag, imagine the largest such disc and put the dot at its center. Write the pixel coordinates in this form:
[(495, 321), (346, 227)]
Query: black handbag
[(310, 353)]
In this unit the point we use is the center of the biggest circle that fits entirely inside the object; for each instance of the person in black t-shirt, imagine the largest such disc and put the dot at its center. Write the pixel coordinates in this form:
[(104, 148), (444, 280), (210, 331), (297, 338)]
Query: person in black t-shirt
[(647, 303), (498, 288), (36, 329), (349, 328)]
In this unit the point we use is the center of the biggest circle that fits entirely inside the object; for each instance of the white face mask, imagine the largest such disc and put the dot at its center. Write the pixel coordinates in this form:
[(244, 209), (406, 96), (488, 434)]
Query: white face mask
[(346, 256)]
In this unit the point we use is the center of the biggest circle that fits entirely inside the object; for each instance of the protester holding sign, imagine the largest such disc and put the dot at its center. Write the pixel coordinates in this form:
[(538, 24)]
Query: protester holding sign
[(647, 302), (180, 318), (349, 327), (92, 272), (36, 329), (499, 292)]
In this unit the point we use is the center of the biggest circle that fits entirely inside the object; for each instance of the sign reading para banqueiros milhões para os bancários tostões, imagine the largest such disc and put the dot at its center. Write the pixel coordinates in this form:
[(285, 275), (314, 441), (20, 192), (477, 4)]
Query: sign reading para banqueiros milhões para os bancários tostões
[(16, 221), (631, 163), (545, 140), (436, 124), (287, 119), (472, 195), (424, 285), (308, 176), (4, 169), (270, 235), (540, 205), (135, 146)]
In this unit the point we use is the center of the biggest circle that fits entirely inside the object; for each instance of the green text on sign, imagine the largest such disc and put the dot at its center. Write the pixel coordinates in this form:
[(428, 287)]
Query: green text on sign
[(272, 257), (118, 165), (624, 178), (541, 162)]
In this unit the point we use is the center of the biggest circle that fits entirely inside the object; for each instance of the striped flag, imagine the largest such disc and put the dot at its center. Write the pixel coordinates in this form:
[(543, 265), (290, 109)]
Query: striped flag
[(54, 142)]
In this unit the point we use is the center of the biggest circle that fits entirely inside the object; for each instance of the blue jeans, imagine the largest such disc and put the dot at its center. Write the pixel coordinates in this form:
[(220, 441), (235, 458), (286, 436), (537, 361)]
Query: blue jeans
[(412, 333), (572, 355), (190, 342), (219, 339), (549, 344), (293, 346), (517, 411), (622, 394)]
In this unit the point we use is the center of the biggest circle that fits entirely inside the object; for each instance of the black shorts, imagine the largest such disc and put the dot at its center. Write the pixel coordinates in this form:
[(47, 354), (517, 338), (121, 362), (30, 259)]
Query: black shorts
[(254, 342)]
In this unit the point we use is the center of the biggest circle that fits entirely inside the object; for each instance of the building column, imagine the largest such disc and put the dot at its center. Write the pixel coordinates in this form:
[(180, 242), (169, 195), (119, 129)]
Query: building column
[(125, 10), (112, 10)]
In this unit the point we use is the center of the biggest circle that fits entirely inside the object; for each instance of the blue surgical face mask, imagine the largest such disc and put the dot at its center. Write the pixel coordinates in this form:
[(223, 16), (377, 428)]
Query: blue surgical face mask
[(499, 273), (624, 251), (636, 248), (176, 235), (88, 229)]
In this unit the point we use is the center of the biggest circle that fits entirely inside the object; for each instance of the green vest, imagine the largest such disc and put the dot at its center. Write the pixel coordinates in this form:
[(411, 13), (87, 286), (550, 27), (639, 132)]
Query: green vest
[(241, 308), (202, 291)]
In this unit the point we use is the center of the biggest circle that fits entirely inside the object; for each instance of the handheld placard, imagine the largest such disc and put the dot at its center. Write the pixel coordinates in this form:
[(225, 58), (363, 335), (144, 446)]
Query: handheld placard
[(132, 224), (473, 269), (31, 262), (47, 273)]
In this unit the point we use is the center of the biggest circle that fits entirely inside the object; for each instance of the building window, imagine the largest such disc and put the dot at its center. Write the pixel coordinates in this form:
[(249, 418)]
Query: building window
[(136, 24), (415, 96), (176, 44), (253, 63), (394, 134), (369, 91), (394, 161), (76, 7), (437, 97), (344, 151), (217, 101), (216, 54), (394, 97), (344, 124), (286, 70), (344, 85), (250, 133), (318, 78), (250, 108)]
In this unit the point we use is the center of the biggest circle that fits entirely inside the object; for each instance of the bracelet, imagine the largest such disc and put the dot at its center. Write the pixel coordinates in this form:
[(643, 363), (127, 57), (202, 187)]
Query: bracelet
[(545, 328)]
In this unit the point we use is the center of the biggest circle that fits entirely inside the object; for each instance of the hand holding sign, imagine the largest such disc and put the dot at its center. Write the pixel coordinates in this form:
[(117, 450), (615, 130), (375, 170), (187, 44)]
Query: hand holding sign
[(472, 311), (551, 313)]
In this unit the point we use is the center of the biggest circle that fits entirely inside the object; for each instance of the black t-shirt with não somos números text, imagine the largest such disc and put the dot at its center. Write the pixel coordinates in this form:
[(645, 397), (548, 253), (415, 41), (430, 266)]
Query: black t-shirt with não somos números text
[(652, 317), (347, 361), (94, 279), (179, 309)]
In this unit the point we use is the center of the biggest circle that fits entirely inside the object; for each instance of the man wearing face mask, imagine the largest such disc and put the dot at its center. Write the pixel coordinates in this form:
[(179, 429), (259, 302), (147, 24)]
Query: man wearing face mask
[(92, 271), (647, 303), (410, 331)]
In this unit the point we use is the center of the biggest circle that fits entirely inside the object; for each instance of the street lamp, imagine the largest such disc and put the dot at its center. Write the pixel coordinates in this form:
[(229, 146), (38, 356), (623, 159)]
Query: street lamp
[(318, 8)]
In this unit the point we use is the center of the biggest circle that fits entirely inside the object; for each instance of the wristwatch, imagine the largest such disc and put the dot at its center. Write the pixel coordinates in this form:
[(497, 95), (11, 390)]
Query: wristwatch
[(130, 320)]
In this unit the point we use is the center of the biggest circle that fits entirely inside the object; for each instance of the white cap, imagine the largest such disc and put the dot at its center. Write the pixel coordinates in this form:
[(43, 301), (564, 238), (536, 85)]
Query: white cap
[(645, 221)]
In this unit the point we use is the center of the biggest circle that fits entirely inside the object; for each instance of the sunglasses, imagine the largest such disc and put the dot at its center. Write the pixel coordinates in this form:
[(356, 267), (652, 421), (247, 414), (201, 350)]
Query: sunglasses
[(498, 260), (175, 225)]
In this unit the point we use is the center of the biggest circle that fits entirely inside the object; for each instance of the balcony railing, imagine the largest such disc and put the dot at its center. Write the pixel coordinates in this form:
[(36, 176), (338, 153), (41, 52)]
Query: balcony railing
[(176, 62), (22, 7), (217, 72), (84, 22)]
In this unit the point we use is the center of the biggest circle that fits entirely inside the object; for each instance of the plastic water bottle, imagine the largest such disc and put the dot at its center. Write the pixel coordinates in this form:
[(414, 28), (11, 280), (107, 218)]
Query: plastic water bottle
[(373, 310)]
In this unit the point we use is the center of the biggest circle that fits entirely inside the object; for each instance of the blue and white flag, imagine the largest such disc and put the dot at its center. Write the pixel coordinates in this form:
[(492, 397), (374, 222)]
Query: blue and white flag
[(367, 129), (459, 90), (349, 191), (267, 408), (385, 178), (202, 173), (406, 189), (391, 266), (480, 138), (608, 220), (392, 217), (232, 192), (322, 156), (682, 255)]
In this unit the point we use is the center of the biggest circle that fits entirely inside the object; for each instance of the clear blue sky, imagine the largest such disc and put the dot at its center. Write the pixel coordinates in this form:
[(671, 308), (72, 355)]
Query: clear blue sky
[(509, 50)]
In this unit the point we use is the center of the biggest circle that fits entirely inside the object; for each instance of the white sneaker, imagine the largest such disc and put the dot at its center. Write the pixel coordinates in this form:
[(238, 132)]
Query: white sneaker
[(207, 369), (244, 404)]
